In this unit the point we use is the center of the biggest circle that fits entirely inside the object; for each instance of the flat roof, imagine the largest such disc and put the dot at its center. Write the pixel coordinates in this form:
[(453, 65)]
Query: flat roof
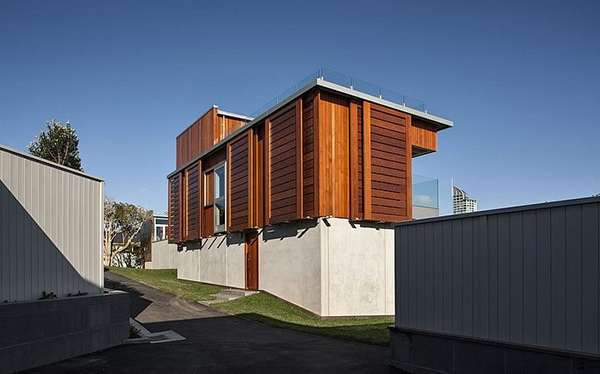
[(442, 123), (48, 163)]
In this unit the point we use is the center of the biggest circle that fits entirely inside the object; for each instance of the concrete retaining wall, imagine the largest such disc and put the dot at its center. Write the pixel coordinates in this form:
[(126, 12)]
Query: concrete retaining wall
[(290, 263), (217, 260), (45, 331), (331, 267), (164, 256)]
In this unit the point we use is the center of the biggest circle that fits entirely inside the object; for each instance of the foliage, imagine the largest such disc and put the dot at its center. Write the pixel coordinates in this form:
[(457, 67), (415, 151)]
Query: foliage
[(166, 280), (47, 295), (134, 332), (59, 144), (79, 293), (123, 220)]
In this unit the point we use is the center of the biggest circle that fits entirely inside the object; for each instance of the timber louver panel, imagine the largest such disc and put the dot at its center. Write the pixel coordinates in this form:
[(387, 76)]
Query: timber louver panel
[(360, 160), (388, 164), (239, 182), (308, 153), (174, 209), (282, 165), (192, 202)]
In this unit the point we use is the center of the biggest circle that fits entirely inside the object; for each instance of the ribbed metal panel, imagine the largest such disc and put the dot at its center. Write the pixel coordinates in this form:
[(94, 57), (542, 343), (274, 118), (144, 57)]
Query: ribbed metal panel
[(525, 275), (50, 229)]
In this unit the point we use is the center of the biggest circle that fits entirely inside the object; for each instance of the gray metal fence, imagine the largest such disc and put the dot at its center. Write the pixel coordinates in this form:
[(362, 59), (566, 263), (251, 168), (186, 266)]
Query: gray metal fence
[(525, 275), (50, 229)]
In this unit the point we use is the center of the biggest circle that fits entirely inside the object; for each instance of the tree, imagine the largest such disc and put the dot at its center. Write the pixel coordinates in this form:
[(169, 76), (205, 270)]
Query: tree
[(125, 220), (58, 144)]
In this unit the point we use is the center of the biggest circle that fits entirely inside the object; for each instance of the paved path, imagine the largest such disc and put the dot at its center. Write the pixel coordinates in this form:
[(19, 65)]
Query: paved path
[(218, 343)]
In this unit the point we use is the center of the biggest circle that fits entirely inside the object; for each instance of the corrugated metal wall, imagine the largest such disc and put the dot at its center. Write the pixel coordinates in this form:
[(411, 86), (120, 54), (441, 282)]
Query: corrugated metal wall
[(524, 275), (51, 223)]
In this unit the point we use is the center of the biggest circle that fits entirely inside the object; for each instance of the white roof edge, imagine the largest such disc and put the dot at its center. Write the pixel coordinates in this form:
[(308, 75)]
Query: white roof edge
[(234, 115), (48, 163), (445, 123)]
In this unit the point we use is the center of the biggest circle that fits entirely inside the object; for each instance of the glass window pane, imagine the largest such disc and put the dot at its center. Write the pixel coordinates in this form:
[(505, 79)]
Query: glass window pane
[(220, 182)]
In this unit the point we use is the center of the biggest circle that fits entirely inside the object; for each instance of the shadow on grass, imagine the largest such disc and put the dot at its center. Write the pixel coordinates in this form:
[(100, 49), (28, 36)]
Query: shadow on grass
[(368, 333)]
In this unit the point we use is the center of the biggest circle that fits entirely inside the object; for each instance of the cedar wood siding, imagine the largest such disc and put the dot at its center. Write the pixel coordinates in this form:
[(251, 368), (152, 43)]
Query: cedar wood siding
[(207, 131), (239, 170), (192, 202), (390, 176), (308, 156), (174, 209), (282, 165), (323, 154)]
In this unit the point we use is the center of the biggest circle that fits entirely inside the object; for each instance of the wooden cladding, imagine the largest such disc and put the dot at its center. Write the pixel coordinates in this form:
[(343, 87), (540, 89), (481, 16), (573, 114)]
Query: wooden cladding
[(174, 209), (323, 154), (240, 207), (192, 201), (207, 131), (423, 137), (390, 182), (282, 149)]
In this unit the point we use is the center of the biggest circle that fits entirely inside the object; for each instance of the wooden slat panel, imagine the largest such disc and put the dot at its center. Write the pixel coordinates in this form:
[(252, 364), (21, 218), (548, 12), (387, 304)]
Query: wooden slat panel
[(239, 183), (174, 209), (192, 202), (283, 144)]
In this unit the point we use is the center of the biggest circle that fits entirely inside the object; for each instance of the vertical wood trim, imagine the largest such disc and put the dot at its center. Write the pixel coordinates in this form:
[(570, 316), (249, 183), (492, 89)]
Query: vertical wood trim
[(299, 162), (367, 160), (182, 199), (201, 197), (267, 171), (409, 199), (228, 188), (169, 209), (354, 160), (215, 127), (317, 155), (251, 179)]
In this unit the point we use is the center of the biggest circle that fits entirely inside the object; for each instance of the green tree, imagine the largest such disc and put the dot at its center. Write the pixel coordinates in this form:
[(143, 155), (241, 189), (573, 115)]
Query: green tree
[(59, 144), (124, 220)]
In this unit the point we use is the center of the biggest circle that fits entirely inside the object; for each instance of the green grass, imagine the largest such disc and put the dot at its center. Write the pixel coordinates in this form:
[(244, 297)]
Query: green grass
[(271, 311), (267, 309), (166, 280)]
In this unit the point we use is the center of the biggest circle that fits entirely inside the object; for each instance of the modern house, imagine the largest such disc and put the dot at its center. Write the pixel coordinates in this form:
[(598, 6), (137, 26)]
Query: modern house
[(299, 199)]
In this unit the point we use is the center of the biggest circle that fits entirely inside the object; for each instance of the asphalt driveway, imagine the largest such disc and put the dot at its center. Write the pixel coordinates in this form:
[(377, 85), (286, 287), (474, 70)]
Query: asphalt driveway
[(218, 343)]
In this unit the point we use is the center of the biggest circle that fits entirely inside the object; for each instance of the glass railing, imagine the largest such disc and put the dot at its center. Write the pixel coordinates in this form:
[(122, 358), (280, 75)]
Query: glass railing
[(345, 81), (425, 191)]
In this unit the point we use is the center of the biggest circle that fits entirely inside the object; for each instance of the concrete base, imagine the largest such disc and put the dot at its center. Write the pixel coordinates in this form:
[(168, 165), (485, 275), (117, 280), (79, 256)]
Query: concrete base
[(45, 331), (216, 260), (417, 352)]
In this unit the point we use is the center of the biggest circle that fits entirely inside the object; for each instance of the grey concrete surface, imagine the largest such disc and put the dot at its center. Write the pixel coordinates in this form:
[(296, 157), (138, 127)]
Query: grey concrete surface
[(44, 331), (219, 343)]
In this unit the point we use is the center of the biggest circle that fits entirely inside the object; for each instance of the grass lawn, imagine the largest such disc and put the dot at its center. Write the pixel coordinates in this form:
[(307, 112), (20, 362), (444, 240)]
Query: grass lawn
[(267, 309), (271, 311), (166, 280)]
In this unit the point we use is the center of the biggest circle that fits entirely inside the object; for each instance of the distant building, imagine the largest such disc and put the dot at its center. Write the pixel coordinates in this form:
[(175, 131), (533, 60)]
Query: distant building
[(461, 202)]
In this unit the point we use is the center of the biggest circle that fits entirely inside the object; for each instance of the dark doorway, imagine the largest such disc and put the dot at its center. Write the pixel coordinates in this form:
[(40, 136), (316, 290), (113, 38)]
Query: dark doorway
[(252, 261)]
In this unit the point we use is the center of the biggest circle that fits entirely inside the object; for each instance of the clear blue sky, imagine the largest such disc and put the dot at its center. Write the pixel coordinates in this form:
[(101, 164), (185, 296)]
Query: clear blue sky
[(520, 81)]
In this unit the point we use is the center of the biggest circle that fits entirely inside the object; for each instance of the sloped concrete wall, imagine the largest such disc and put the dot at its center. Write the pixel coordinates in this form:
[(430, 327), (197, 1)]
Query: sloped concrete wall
[(164, 256), (216, 260), (289, 267)]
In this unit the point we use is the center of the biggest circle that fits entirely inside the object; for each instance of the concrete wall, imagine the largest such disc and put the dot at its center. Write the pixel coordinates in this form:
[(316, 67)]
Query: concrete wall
[(50, 228), (358, 268), (41, 332), (217, 260), (526, 276), (290, 263), (330, 267), (164, 256)]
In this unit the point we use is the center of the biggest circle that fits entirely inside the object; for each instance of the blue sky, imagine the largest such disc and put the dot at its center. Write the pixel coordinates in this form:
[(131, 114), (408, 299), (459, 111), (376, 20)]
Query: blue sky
[(521, 81)]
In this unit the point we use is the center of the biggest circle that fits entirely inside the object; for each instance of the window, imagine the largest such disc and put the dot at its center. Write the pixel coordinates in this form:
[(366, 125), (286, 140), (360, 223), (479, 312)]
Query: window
[(220, 206)]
